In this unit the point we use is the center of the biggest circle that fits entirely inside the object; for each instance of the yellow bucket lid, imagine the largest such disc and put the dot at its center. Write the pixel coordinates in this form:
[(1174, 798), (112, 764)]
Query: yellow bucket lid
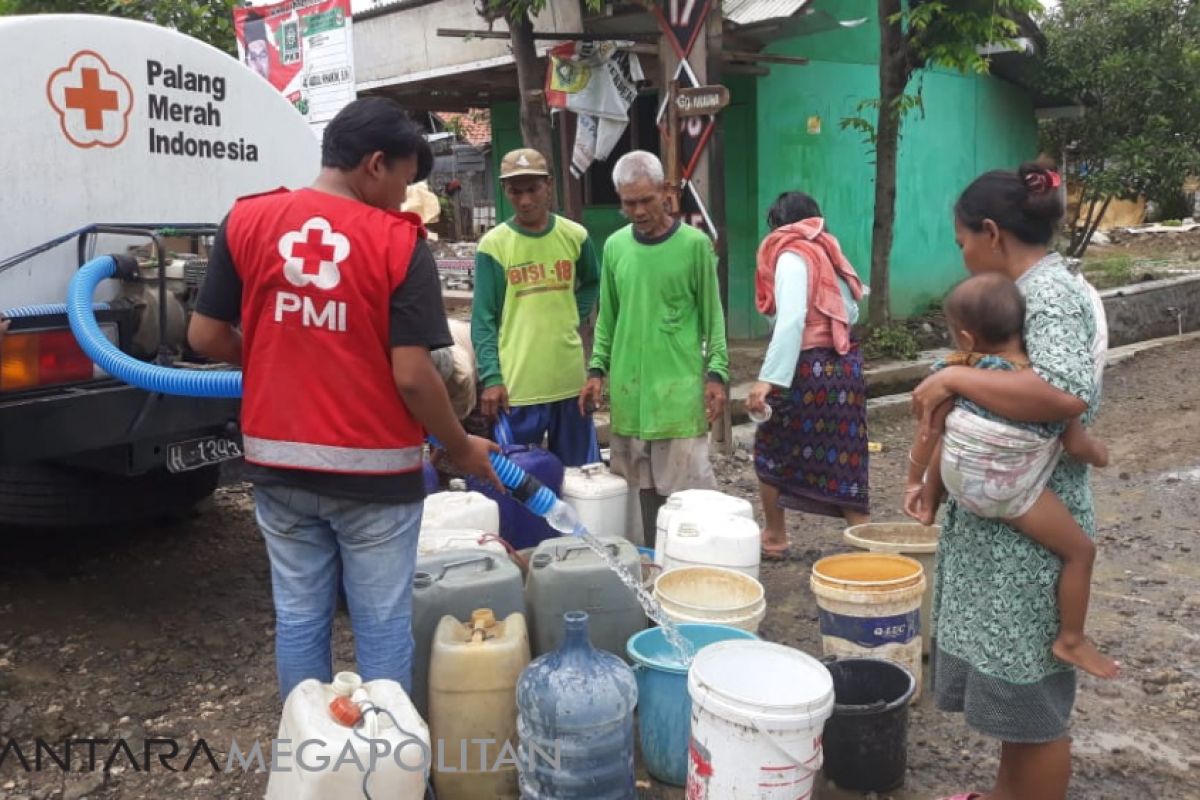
[(868, 572)]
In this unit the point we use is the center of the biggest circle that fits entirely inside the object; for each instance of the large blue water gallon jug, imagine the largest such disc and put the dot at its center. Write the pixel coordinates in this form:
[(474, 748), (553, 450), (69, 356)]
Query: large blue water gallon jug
[(519, 526), (575, 722)]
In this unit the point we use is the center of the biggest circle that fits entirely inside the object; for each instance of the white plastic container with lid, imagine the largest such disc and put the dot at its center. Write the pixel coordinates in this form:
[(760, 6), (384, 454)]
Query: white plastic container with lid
[(398, 773), (702, 501), (695, 539), (758, 712), (439, 540), (459, 509), (604, 502)]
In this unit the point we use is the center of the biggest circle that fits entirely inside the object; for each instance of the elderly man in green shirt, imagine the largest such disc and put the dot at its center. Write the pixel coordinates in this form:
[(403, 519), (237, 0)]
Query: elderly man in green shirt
[(660, 339)]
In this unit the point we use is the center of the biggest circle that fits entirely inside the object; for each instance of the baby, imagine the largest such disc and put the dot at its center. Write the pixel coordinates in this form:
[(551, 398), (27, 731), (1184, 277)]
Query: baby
[(998, 468)]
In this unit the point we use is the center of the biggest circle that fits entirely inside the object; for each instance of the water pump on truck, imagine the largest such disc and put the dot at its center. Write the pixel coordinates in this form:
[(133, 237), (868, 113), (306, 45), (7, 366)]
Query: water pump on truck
[(107, 152)]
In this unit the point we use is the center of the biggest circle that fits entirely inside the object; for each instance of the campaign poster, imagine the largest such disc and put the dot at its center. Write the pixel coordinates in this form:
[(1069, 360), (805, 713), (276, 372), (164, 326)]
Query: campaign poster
[(304, 49)]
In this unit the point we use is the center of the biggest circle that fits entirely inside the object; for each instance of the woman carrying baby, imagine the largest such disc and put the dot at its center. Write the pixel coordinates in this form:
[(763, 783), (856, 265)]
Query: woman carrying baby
[(996, 596)]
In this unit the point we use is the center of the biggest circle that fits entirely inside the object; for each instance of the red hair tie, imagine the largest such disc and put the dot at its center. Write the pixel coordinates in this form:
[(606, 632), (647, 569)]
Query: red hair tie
[(1043, 181)]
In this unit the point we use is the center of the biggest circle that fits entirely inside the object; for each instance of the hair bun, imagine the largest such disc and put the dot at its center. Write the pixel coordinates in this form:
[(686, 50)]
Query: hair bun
[(1039, 178)]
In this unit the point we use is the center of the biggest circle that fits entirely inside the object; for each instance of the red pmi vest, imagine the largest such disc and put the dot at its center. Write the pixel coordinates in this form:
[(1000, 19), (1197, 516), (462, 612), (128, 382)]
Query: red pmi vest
[(318, 272)]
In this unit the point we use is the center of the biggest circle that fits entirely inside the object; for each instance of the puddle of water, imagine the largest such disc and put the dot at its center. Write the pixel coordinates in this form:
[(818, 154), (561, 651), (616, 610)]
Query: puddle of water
[(1188, 475), (1096, 743)]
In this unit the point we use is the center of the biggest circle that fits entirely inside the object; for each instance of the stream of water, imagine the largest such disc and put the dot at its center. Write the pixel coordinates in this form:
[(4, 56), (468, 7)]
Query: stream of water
[(563, 519)]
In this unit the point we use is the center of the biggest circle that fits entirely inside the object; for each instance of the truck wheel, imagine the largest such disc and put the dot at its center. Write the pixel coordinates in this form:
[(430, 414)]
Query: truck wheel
[(43, 495)]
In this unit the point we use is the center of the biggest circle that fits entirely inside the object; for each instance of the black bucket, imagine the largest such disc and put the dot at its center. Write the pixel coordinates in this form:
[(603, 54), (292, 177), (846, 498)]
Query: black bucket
[(866, 739)]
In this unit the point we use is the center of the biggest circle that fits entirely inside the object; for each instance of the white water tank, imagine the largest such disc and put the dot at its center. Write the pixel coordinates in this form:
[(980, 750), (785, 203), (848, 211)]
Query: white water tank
[(320, 741), (461, 510), (695, 501), (604, 502)]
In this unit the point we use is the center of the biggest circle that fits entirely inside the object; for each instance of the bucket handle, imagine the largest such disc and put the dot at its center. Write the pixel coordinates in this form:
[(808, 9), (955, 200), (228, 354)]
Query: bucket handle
[(818, 756), (812, 765)]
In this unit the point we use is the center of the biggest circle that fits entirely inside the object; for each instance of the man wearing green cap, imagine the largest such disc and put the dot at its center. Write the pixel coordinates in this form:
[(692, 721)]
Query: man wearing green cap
[(537, 276)]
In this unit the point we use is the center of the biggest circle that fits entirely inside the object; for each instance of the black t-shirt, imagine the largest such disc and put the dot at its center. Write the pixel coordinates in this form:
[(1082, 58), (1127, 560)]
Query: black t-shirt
[(417, 318)]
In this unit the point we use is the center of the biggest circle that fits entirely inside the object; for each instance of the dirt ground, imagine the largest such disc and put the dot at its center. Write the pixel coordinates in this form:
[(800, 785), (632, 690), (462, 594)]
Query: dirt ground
[(167, 631)]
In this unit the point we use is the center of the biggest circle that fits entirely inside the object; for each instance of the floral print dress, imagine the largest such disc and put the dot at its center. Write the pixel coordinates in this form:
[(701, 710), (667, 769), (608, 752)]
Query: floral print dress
[(995, 596)]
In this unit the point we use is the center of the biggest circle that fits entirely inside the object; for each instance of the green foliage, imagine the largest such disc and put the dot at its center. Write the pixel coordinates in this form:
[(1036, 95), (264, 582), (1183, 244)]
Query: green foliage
[(946, 34), (892, 341), (1107, 273), (1135, 64), (208, 20), (501, 9), (900, 107)]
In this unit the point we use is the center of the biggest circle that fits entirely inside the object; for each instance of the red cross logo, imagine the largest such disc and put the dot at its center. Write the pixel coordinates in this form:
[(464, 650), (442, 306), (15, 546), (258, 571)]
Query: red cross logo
[(92, 100), (312, 251), (312, 254)]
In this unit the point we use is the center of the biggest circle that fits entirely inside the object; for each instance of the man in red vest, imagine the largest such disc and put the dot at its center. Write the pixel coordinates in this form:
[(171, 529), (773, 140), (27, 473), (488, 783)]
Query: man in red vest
[(339, 305)]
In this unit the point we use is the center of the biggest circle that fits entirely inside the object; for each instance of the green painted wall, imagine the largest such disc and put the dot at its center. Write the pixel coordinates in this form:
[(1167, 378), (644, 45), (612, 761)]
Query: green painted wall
[(971, 124)]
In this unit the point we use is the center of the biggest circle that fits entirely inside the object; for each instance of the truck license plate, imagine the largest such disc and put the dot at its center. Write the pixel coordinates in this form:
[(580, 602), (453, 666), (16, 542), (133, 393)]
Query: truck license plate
[(196, 453)]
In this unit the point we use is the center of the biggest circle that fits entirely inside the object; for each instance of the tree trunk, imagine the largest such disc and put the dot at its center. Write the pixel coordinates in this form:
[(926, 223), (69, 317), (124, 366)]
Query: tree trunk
[(1093, 225), (536, 131), (893, 78)]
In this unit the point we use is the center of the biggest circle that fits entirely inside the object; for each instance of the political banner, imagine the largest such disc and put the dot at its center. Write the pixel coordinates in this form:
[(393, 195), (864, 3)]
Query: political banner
[(304, 49), (598, 81)]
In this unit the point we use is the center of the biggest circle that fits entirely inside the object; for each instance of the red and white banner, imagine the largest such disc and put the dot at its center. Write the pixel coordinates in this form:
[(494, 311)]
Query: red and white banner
[(305, 50)]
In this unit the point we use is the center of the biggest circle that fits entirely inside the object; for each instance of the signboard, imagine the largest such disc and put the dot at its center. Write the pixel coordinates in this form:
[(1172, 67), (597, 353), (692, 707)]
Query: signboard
[(683, 20), (694, 131), (304, 49), (702, 101)]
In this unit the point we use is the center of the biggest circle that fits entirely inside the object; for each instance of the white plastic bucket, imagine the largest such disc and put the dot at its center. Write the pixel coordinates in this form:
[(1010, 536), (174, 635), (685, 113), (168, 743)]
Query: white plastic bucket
[(758, 712), (869, 604), (711, 594), (910, 539)]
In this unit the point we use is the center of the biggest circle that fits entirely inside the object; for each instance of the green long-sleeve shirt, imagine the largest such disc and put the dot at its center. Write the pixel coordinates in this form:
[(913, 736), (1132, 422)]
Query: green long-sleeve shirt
[(660, 332), (531, 292)]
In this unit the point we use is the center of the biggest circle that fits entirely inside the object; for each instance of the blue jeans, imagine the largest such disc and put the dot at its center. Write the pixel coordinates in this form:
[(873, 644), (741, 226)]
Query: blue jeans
[(572, 436), (311, 538)]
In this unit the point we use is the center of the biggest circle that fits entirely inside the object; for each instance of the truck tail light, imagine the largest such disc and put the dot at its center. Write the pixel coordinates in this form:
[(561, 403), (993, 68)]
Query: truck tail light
[(33, 359)]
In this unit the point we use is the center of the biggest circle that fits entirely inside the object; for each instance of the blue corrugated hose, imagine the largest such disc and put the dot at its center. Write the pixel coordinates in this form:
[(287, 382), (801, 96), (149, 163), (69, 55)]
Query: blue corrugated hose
[(154, 378), (43, 310)]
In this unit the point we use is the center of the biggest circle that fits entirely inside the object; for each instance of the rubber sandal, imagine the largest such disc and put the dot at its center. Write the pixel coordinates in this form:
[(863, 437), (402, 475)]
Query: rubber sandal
[(775, 552)]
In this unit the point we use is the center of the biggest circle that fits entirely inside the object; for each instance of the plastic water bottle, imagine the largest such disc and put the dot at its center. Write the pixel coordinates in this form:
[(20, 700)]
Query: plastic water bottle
[(575, 722)]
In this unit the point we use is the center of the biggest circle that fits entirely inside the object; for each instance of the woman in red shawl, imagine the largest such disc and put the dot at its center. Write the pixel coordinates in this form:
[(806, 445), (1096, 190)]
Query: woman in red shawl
[(811, 454)]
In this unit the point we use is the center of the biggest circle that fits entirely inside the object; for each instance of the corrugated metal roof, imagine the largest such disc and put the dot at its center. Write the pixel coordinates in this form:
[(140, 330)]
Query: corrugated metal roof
[(753, 12)]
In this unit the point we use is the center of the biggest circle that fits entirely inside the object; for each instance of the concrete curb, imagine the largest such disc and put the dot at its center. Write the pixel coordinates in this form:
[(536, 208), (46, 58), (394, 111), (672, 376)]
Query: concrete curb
[(890, 406)]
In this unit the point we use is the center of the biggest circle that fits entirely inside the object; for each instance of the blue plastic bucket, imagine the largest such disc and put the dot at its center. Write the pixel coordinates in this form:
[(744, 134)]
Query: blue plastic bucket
[(664, 707)]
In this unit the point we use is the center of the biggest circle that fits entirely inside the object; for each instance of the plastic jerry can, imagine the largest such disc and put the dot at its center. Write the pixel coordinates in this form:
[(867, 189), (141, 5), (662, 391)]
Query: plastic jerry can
[(703, 501), (604, 502), (575, 720), (455, 583), (519, 526), (439, 540), (311, 716), (459, 509), (566, 575), (708, 539), (473, 674)]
